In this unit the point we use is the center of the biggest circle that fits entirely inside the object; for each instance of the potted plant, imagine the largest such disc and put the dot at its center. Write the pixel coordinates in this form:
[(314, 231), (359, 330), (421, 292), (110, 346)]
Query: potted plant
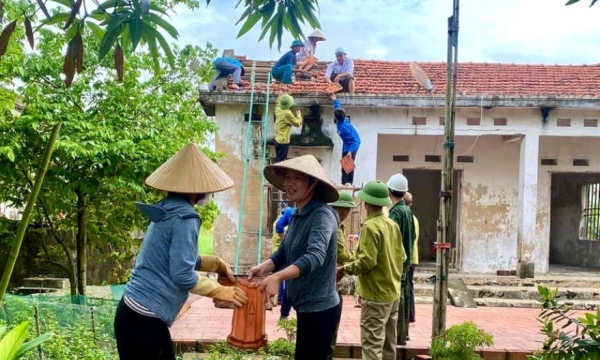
[(459, 342)]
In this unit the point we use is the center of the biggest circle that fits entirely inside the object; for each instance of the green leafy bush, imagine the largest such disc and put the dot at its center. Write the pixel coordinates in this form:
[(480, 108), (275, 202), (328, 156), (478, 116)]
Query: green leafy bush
[(13, 345), (567, 337), (459, 342)]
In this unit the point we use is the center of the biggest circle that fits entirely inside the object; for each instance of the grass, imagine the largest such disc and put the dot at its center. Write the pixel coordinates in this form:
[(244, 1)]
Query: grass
[(205, 242)]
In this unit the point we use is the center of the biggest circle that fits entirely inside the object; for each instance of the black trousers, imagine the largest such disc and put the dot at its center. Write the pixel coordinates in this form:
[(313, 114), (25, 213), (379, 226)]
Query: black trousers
[(338, 319), (411, 284), (315, 334), (281, 152), (348, 178), (141, 337)]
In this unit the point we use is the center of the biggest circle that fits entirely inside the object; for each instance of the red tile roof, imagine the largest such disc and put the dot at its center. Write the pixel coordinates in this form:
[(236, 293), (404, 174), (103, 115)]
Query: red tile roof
[(474, 79)]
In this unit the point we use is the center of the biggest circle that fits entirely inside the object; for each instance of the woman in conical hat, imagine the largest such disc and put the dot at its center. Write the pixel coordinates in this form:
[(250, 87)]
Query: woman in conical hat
[(165, 271), (305, 59), (306, 257)]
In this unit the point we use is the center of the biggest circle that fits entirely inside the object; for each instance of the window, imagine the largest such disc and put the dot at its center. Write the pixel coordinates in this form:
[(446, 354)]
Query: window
[(589, 228)]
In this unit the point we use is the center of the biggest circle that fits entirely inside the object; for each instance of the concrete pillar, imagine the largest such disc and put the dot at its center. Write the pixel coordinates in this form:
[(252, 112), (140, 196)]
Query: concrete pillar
[(528, 207)]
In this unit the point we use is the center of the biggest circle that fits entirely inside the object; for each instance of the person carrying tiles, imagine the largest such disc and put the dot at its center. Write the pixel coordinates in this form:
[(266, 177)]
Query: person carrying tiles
[(341, 72), (286, 65), (349, 136), (306, 57)]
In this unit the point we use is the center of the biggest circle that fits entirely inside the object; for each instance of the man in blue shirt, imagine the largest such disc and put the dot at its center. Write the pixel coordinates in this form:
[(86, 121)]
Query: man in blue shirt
[(286, 65), (226, 66), (349, 136), (280, 226)]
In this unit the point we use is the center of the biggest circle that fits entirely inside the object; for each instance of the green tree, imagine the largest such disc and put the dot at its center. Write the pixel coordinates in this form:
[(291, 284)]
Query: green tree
[(113, 135), (125, 24), (571, 2)]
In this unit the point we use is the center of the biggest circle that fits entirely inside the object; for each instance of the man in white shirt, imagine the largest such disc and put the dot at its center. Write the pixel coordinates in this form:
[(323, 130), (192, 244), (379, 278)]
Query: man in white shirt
[(341, 72)]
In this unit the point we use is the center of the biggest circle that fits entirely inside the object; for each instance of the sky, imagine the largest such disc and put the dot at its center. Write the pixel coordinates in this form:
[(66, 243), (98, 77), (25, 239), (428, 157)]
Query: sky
[(505, 31)]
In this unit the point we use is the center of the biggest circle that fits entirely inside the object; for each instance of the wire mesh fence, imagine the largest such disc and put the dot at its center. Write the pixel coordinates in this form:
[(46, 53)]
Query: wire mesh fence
[(82, 326)]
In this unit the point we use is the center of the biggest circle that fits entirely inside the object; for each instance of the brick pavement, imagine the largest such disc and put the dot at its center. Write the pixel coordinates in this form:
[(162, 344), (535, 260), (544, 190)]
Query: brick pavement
[(512, 328)]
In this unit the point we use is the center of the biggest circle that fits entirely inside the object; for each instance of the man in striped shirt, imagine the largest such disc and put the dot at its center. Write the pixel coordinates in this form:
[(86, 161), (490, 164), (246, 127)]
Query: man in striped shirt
[(341, 71)]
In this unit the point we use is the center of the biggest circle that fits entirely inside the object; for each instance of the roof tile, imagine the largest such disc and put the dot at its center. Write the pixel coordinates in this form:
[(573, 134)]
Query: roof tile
[(374, 77)]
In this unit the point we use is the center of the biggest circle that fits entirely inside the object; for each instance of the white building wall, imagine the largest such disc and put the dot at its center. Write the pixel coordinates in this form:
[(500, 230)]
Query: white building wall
[(489, 229)]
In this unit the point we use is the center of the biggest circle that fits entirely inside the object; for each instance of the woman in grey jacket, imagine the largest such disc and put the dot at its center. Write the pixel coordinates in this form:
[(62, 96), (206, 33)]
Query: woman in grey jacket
[(306, 258), (165, 269)]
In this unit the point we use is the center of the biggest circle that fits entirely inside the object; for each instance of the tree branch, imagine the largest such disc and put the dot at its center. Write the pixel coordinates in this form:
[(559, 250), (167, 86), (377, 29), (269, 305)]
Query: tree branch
[(52, 262)]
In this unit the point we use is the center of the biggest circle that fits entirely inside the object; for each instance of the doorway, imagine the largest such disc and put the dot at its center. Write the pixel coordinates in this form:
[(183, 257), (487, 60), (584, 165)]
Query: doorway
[(425, 187)]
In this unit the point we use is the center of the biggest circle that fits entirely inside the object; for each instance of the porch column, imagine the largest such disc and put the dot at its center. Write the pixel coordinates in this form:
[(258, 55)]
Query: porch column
[(528, 182)]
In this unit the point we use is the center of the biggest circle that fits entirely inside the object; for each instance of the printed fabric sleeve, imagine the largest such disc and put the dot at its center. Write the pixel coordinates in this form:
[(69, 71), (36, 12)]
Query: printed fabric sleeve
[(183, 253), (321, 231), (366, 256)]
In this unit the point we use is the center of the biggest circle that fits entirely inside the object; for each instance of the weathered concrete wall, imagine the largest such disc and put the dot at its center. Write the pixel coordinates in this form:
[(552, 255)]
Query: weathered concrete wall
[(488, 211), (566, 247), (487, 202)]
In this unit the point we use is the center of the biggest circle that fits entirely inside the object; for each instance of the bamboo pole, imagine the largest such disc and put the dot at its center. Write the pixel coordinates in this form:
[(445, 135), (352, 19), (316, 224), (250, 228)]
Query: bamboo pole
[(37, 185), (445, 220)]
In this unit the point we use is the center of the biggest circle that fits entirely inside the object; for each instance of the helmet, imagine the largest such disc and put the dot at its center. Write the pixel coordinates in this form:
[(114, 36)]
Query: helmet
[(398, 182), (375, 193), (345, 201), (286, 102)]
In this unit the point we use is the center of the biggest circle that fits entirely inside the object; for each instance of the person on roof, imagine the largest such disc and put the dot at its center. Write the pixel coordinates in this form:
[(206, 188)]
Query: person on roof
[(284, 120), (306, 258), (306, 57), (341, 72), (165, 271), (343, 207), (280, 227), (378, 265), (402, 215), (286, 65), (349, 136), (226, 66)]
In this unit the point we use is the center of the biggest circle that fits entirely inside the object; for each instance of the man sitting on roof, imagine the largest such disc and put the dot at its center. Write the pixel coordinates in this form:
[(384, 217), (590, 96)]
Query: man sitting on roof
[(341, 72), (306, 58), (285, 66), (226, 66)]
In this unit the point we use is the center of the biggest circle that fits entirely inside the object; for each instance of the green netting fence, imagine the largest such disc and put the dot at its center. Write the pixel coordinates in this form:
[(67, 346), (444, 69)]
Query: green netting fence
[(82, 326)]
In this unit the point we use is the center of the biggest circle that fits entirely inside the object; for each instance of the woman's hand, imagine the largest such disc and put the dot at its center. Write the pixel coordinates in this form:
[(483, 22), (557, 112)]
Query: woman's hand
[(256, 271), (270, 286)]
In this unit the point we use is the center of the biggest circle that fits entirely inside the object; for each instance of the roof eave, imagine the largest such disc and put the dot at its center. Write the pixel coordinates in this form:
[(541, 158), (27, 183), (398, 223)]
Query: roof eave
[(211, 98)]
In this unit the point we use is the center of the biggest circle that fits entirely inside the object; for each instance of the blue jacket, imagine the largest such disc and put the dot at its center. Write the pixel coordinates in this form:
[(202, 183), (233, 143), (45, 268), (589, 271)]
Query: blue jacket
[(229, 60), (289, 58), (347, 132), (164, 270), (284, 220)]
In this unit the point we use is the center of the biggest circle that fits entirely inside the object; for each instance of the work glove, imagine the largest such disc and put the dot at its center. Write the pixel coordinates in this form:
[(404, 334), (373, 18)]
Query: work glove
[(217, 265), (207, 287)]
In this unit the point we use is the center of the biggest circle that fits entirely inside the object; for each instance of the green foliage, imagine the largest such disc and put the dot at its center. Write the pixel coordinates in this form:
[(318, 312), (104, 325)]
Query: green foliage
[(13, 345), (209, 214), (290, 326), (459, 342), (566, 337), (113, 136), (123, 25), (76, 334), (205, 242), (571, 2)]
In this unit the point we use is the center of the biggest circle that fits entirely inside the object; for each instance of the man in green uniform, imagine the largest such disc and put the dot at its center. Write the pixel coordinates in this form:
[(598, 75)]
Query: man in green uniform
[(402, 215), (343, 207), (379, 273)]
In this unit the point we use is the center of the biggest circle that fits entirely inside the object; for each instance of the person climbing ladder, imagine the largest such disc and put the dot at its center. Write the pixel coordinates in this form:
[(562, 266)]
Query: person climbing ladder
[(349, 136), (284, 120)]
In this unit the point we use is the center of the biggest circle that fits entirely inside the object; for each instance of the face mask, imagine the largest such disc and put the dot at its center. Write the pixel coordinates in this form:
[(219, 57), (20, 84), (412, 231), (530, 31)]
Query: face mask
[(204, 199)]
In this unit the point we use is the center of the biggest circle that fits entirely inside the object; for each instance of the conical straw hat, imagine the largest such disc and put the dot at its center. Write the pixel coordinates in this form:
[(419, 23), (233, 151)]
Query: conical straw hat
[(317, 34), (189, 171), (306, 164)]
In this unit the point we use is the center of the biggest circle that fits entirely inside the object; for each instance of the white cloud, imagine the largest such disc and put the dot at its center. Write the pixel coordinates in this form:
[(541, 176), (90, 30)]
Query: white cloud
[(532, 31)]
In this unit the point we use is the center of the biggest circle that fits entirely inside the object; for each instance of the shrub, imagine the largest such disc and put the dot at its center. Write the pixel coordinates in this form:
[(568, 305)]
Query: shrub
[(459, 342)]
